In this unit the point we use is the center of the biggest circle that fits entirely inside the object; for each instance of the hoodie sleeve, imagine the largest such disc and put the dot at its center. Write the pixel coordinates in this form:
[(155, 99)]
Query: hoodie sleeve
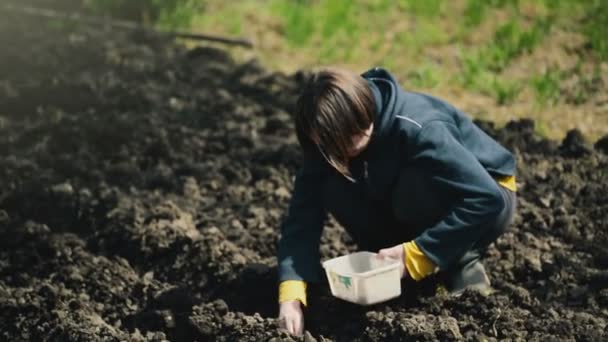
[(454, 172), (298, 249)]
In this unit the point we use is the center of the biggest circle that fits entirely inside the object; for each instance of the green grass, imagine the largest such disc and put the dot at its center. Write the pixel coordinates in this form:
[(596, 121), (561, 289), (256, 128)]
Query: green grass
[(593, 24), (336, 21), (425, 8), (475, 10), (472, 50), (176, 14), (473, 70), (425, 77), (596, 27), (476, 76), (505, 91), (474, 13), (299, 24), (511, 40), (541, 128), (165, 13), (547, 86), (335, 12), (481, 69), (588, 84)]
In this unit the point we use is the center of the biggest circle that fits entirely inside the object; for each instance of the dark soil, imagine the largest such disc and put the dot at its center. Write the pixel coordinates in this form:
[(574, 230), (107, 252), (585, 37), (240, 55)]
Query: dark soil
[(142, 186)]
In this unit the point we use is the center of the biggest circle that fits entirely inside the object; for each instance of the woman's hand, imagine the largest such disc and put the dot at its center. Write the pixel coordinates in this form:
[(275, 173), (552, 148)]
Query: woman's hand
[(291, 317), (395, 252)]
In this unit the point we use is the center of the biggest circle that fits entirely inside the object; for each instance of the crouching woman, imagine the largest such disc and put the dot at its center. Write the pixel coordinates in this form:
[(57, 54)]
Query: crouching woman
[(407, 175)]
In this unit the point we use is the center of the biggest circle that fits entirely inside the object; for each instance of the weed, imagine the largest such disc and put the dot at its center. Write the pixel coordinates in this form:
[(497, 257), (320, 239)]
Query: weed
[(503, 3), (596, 27), (299, 22), (424, 77), (505, 91), (587, 83), (546, 86), (337, 14), (510, 41), (475, 74), (541, 128), (178, 15), (474, 12), (426, 8), (472, 67), (167, 13)]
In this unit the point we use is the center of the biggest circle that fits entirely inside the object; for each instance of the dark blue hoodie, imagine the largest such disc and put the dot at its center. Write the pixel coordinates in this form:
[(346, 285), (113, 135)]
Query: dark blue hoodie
[(421, 133)]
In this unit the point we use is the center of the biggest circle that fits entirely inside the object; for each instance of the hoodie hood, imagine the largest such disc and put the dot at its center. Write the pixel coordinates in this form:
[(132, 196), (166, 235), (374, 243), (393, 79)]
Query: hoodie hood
[(384, 89)]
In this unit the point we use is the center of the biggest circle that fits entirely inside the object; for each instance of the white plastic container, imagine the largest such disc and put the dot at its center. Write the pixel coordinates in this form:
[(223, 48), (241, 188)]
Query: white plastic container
[(363, 278)]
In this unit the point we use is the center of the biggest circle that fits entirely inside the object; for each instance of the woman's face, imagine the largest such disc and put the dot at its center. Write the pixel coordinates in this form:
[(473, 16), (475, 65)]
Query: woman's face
[(360, 142)]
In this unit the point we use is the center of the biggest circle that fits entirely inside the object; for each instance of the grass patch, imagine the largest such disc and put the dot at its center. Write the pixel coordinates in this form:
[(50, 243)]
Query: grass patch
[(476, 77), (473, 70), (505, 91), (541, 128), (547, 87), (588, 83), (511, 40), (176, 14), (426, 8), (165, 13), (338, 14), (474, 13), (425, 77), (475, 10), (419, 42), (298, 23), (596, 27), (327, 24)]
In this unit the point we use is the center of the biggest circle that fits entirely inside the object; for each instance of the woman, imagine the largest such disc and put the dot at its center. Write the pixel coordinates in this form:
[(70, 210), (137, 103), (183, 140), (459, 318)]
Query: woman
[(406, 174)]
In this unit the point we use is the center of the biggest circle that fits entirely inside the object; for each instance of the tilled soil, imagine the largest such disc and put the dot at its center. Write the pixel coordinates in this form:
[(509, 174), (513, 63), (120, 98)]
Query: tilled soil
[(142, 186)]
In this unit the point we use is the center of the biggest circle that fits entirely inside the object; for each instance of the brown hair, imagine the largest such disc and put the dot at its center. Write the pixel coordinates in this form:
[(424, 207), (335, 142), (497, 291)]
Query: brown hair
[(334, 106)]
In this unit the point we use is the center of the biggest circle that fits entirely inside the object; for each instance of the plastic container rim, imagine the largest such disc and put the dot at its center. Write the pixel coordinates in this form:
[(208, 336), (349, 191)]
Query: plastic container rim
[(394, 263)]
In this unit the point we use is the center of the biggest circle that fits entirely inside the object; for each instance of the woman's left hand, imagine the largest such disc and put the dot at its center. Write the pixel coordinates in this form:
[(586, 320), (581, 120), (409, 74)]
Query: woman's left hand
[(396, 252)]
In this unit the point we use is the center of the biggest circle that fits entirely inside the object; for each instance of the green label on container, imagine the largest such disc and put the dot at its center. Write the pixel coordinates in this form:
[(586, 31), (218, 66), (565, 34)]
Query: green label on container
[(344, 281)]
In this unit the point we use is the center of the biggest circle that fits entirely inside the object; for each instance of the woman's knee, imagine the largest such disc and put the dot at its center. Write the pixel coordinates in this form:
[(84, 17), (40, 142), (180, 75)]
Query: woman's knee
[(502, 222), (506, 216)]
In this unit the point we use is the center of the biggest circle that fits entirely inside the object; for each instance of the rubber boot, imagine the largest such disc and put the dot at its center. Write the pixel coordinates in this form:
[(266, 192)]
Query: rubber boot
[(472, 276)]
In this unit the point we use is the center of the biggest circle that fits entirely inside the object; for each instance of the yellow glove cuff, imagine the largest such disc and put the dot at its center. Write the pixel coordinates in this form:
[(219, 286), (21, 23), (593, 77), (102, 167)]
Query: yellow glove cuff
[(507, 182), (292, 290), (418, 265)]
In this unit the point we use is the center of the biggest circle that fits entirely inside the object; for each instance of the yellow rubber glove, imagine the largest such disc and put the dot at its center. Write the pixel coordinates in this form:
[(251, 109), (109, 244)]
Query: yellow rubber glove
[(292, 290), (417, 264), (507, 182)]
